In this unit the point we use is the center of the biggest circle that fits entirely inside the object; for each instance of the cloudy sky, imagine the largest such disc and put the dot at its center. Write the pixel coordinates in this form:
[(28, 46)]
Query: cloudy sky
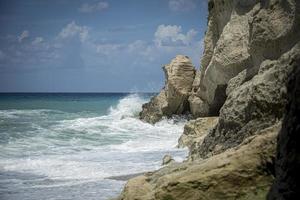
[(95, 46)]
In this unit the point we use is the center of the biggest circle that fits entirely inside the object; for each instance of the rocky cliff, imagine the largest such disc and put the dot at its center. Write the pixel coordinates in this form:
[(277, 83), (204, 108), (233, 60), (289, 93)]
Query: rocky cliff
[(252, 48), (241, 35)]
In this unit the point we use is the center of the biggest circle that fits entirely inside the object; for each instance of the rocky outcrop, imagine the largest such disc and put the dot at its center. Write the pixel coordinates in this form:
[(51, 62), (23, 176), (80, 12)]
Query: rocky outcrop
[(241, 35), (253, 105), (287, 179), (195, 132), (249, 165), (173, 98)]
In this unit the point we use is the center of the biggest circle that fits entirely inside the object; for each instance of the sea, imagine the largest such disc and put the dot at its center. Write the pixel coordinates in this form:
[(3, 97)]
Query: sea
[(67, 146)]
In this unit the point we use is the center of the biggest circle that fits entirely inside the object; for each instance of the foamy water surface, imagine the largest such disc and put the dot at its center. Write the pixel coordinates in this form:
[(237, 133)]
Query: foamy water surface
[(64, 147)]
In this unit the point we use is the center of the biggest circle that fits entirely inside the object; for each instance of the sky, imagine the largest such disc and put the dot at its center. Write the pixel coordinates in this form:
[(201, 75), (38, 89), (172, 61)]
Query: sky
[(96, 46)]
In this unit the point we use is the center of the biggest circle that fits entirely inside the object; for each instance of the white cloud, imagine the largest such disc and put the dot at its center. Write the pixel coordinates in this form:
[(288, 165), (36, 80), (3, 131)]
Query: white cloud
[(108, 49), (168, 35), (72, 30), (24, 34), (88, 8), (37, 40), (182, 5)]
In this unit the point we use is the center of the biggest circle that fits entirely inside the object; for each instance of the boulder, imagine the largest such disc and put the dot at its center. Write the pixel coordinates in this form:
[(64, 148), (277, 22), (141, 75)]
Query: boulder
[(173, 98)]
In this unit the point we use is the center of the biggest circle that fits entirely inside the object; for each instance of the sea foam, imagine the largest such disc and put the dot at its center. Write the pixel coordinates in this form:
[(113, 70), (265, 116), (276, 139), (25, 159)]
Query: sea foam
[(81, 148)]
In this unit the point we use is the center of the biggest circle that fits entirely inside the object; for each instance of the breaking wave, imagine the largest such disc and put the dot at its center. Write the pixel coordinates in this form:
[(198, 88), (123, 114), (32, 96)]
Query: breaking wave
[(51, 144)]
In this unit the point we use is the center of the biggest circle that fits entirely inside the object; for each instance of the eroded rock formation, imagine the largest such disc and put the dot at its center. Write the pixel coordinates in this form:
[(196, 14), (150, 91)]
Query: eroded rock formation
[(240, 36), (173, 98), (253, 105)]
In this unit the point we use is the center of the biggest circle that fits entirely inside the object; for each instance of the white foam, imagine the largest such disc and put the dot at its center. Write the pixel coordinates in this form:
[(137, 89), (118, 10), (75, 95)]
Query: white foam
[(129, 106), (139, 149), (57, 167), (13, 113)]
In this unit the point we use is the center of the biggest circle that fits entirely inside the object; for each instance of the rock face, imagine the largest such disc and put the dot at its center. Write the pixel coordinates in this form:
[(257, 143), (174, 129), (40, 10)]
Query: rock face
[(253, 105), (173, 98), (215, 177), (240, 36), (287, 179), (195, 132)]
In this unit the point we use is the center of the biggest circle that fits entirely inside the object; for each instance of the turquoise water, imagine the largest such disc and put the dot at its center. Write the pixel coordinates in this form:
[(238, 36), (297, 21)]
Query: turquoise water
[(64, 146)]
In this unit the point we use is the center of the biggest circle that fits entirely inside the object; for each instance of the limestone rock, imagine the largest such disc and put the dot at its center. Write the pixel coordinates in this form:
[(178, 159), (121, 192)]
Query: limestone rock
[(256, 104), (173, 98), (195, 132), (241, 35), (167, 159), (243, 172)]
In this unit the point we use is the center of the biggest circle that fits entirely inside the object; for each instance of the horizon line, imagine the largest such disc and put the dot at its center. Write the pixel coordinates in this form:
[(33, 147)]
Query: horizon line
[(114, 92)]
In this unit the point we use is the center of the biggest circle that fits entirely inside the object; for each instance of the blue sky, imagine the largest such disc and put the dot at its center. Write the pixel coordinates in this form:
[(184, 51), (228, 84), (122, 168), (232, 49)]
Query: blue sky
[(96, 46)]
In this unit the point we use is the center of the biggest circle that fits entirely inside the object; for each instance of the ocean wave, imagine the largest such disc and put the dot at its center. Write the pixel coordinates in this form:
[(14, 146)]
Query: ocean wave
[(14, 113), (92, 148), (129, 106), (122, 121), (121, 118)]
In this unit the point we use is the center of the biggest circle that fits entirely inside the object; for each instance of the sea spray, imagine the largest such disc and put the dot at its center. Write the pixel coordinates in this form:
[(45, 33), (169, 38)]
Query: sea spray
[(56, 148)]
